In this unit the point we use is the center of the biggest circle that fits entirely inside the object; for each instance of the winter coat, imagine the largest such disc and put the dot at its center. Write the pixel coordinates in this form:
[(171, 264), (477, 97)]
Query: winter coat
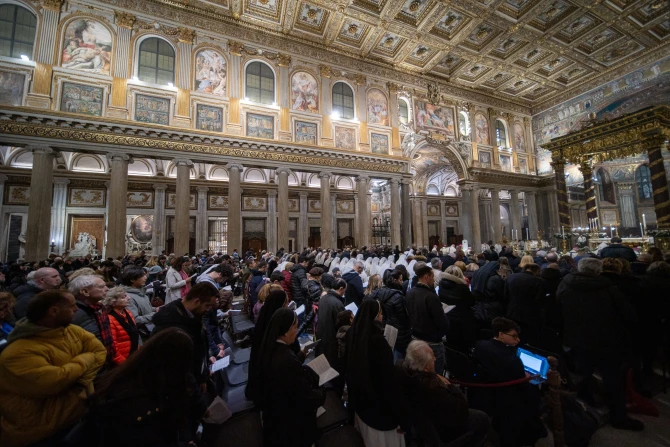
[(394, 312), (23, 295), (174, 283), (45, 375), (286, 284), (314, 290), (492, 304), (85, 319), (618, 251), (140, 306), (462, 324), (596, 316), (299, 284), (426, 315), (526, 298), (330, 305), (292, 394), (355, 290), (175, 315), (342, 343), (123, 343), (256, 280)]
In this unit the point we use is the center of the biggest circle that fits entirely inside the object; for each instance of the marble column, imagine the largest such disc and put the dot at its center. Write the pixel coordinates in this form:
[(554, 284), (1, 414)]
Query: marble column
[(234, 208), (201, 221), (495, 215), (589, 191), (465, 221), (659, 182), (333, 219), (628, 216), (326, 212), (116, 209), (554, 221), (395, 212), (531, 202), (124, 30), (357, 224), (3, 221), (417, 223), (39, 224), (363, 212), (515, 216), (282, 209), (59, 215), (561, 196), (182, 207), (303, 223), (406, 227), (271, 228), (443, 221), (158, 236), (476, 242), (424, 223)]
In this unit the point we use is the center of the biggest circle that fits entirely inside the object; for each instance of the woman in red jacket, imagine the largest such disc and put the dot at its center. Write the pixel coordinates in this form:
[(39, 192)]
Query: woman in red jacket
[(122, 324)]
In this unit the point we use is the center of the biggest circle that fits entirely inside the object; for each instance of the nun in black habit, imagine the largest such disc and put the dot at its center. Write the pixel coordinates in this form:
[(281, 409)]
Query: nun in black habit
[(288, 392)]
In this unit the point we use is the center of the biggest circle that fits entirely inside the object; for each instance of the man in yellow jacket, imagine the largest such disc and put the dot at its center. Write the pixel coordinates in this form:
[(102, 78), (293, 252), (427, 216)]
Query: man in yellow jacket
[(46, 371)]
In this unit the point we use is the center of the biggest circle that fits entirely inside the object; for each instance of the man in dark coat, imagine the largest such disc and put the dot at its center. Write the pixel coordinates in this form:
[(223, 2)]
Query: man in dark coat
[(617, 250), (299, 282), (330, 305), (426, 315), (526, 298), (257, 278), (355, 290), (186, 314), (45, 278), (596, 324)]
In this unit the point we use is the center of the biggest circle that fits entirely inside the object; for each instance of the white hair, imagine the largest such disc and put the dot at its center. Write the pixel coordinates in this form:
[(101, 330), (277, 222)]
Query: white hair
[(81, 282), (418, 355), (591, 266), (358, 263)]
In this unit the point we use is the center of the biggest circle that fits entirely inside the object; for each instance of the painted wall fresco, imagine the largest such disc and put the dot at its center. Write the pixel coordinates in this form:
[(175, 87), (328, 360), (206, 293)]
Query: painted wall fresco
[(87, 46), (345, 138), (377, 108), (150, 109), (209, 118), (379, 143), (83, 99), (305, 132), (482, 129), (211, 73), (12, 86), (435, 118), (260, 126), (304, 92), (642, 88), (519, 138)]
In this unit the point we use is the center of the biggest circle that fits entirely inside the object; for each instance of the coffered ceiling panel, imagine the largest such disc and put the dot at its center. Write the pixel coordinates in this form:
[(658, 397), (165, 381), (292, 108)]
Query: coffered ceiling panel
[(528, 51)]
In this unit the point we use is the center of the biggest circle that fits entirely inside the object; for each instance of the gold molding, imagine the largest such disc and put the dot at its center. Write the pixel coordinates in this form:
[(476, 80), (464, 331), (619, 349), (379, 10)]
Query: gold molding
[(124, 19)]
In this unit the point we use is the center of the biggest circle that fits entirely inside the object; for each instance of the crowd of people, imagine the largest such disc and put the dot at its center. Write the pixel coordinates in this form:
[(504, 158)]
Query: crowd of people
[(118, 351)]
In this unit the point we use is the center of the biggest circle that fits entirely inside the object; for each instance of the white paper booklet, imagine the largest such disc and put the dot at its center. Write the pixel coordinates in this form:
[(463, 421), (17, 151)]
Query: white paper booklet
[(448, 309), (300, 310), (220, 364), (323, 369), (218, 412), (320, 411), (353, 308), (391, 335), (292, 305)]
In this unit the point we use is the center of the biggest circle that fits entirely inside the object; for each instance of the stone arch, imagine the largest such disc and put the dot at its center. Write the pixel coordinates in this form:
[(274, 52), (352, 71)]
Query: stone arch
[(141, 166), (87, 163), (428, 153), (344, 182), (254, 175), (218, 173)]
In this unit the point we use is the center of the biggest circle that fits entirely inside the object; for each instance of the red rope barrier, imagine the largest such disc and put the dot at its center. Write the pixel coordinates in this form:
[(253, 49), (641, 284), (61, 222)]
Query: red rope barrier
[(493, 385)]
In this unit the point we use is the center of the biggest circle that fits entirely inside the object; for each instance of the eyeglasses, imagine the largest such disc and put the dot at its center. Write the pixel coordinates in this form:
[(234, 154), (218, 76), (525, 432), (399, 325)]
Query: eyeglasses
[(514, 336)]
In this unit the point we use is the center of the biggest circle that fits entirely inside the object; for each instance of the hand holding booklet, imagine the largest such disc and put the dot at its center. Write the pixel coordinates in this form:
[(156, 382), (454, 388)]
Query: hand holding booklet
[(323, 369), (391, 335), (352, 307), (447, 308), (220, 364)]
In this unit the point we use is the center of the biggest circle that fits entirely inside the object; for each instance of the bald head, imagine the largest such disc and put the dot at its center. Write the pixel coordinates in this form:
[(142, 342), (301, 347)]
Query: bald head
[(47, 278)]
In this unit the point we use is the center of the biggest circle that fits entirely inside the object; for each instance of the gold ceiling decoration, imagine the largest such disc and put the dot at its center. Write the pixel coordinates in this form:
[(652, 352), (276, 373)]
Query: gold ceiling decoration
[(532, 52)]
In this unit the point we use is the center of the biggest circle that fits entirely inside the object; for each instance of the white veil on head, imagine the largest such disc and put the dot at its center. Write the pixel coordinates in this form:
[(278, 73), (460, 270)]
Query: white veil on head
[(402, 260), (335, 263), (410, 268)]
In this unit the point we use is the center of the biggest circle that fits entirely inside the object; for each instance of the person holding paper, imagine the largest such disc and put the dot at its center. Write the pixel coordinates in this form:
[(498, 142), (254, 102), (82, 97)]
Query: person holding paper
[(330, 305), (355, 289), (288, 393), (373, 394), (177, 280), (462, 324), (394, 310)]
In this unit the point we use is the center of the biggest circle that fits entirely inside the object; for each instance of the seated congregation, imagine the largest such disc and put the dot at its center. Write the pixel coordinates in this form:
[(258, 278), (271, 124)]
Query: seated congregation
[(369, 347)]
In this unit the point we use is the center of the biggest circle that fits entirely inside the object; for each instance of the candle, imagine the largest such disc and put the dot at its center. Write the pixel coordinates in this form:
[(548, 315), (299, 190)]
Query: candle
[(644, 221), (641, 230), (527, 234), (563, 231)]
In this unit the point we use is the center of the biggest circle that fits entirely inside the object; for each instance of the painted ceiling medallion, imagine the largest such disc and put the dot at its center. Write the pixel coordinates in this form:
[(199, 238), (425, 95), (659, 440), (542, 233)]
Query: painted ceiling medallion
[(352, 29), (414, 6)]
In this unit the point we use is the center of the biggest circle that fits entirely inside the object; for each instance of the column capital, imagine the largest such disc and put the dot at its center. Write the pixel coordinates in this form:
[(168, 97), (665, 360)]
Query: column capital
[(333, 196), (237, 166), (406, 181), (186, 35), (41, 149), (182, 162), (235, 48), (53, 5), (160, 186), (61, 181), (286, 171), (124, 19), (303, 195), (202, 188), (272, 193), (113, 156), (362, 178), (395, 181), (326, 175)]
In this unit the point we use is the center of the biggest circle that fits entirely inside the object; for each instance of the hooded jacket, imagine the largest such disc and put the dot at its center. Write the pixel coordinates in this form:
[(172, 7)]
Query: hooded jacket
[(355, 290), (23, 295), (140, 306), (596, 316), (45, 376), (394, 311), (299, 284), (462, 324)]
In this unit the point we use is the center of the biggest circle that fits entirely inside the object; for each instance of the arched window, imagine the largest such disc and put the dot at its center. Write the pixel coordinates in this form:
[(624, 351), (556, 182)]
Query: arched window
[(403, 111), (260, 84), (464, 124), (501, 134), (643, 179), (18, 26), (156, 61), (343, 101), (606, 186)]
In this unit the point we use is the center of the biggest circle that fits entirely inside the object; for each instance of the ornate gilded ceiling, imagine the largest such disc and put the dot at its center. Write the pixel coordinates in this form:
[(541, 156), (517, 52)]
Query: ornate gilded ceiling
[(530, 50)]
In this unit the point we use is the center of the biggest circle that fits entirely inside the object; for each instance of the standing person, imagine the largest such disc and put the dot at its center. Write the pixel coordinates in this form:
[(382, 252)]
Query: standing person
[(146, 400), (314, 288), (177, 280), (374, 283), (257, 280), (45, 278), (330, 305), (373, 396), (462, 324), (616, 249), (299, 281), (125, 335), (89, 291), (287, 391), (133, 280), (187, 315), (394, 311), (44, 371), (355, 290), (597, 320), (526, 297), (426, 315)]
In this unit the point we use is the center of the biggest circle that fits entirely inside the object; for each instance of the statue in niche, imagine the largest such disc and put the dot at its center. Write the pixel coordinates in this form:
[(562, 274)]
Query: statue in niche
[(85, 245)]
